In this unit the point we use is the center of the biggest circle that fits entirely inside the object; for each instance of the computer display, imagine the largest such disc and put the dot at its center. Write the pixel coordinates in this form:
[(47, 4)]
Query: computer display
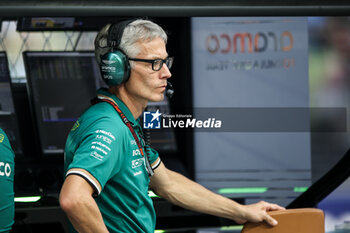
[(61, 85), (8, 118), (162, 139)]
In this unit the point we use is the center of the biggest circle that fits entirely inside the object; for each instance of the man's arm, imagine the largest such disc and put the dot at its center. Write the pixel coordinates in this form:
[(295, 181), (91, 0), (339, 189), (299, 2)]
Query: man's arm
[(77, 202), (188, 194)]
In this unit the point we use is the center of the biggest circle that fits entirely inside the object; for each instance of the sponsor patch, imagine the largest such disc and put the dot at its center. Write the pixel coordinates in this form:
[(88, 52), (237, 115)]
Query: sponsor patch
[(96, 155), (136, 163), (76, 125)]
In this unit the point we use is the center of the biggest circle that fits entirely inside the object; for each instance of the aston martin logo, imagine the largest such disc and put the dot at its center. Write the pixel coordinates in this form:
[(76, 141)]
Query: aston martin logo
[(108, 62)]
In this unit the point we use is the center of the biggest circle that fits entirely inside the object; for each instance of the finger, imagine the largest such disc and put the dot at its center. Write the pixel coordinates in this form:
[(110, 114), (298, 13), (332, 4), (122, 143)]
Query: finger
[(280, 207), (271, 221), (275, 207)]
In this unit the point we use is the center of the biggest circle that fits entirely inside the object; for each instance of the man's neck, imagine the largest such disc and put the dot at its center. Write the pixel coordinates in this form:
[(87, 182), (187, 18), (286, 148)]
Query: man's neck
[(135, 106)]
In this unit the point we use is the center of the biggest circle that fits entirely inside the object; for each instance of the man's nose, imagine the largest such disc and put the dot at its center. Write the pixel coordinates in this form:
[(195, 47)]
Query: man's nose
[(165, 71)]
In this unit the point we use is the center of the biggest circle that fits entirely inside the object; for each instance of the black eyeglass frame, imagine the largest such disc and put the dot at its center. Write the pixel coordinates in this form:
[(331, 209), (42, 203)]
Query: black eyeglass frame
[(168, 62)]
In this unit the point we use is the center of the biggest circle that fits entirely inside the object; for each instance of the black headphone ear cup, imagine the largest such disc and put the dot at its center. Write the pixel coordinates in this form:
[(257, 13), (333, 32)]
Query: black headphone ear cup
[(115, 68)]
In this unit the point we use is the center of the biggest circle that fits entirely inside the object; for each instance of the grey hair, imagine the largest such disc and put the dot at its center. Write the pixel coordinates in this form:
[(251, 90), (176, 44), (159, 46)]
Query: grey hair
[(138, 30)]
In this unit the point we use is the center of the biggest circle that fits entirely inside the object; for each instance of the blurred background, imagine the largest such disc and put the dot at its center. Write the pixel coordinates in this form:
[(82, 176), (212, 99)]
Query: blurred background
[(49, 74)]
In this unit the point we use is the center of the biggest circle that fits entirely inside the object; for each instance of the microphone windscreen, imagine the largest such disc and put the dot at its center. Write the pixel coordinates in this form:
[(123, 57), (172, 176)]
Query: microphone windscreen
[(169, 90)]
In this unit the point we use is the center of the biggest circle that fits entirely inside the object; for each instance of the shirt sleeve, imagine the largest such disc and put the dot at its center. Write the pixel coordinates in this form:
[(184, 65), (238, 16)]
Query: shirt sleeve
[(99, 153), (154, 158)]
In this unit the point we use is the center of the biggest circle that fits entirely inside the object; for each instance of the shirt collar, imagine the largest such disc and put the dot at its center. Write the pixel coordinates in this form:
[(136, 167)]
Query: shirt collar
[(105, 93)]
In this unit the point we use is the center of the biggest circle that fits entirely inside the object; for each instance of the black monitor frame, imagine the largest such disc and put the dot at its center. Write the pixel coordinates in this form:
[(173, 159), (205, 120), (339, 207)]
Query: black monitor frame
[(30, 91), (17, 131)]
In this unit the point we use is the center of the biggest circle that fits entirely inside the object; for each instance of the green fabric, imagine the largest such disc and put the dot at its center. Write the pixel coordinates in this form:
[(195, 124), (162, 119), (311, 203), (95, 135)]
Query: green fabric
[(101, 143), (7, 171)]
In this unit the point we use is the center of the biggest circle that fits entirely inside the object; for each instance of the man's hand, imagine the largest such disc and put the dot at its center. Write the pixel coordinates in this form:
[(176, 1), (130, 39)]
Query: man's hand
[(172, 186), (258, 212)]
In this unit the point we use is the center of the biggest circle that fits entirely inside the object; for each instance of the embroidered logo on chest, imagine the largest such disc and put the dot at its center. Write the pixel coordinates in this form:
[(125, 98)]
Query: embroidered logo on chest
[(136, 163)]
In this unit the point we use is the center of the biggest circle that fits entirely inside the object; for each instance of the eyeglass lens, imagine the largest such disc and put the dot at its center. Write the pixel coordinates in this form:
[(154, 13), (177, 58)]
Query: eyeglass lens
[(158, 63)]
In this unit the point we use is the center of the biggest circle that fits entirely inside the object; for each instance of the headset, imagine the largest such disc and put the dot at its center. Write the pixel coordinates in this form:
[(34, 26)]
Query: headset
[(114, 65)]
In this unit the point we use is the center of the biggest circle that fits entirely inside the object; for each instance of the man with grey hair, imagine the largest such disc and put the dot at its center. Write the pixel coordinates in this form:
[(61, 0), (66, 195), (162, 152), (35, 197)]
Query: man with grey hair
[(108, 167)]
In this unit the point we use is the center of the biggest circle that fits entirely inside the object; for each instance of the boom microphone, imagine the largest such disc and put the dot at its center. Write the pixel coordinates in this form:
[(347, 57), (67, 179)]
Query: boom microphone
[(169, 90)]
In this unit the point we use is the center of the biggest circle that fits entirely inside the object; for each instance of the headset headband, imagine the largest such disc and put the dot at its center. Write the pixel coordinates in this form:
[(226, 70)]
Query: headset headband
[(115, 33)]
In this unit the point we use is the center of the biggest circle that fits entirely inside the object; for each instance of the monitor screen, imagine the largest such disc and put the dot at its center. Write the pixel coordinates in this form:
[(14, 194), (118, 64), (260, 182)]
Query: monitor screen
[(162, 139), (8, 118), (61, 85)]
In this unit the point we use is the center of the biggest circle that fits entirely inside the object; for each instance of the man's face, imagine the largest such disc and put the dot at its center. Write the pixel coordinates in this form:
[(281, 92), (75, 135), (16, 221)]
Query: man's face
[(144, 83)]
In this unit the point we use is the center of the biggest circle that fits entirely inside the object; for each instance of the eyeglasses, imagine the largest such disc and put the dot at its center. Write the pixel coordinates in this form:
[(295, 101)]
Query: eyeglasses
[(157, 64)]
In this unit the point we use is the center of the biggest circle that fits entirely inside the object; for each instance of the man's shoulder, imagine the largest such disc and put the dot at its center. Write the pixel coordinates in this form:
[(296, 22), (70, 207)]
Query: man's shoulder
[(101, 112), (99, 122), (100, 116)]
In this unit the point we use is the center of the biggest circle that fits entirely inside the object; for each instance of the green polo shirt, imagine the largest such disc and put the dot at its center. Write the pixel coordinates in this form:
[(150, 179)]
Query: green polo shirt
[(103, 145), (7, 171)]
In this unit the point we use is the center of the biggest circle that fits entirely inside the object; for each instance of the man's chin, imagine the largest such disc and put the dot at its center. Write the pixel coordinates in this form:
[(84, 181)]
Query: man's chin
[(157, 98)]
